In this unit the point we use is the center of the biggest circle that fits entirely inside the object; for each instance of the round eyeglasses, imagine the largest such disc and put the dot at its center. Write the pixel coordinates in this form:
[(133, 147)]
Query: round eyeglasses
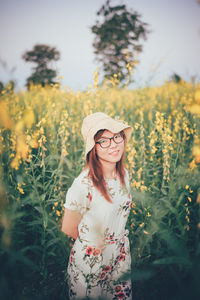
[(106, 142)]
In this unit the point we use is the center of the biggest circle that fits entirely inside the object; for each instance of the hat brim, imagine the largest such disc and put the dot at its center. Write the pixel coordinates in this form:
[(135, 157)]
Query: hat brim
[(112, 125)]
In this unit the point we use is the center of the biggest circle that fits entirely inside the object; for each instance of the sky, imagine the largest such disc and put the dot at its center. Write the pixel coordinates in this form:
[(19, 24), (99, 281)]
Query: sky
[(173, 45)]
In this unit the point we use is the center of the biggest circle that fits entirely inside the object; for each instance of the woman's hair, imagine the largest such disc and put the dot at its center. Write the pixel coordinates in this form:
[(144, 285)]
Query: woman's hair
[(96, 171)]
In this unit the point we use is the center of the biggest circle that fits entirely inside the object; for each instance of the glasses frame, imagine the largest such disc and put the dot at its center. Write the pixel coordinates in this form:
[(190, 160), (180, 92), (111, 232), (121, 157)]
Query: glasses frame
[(112, 138)]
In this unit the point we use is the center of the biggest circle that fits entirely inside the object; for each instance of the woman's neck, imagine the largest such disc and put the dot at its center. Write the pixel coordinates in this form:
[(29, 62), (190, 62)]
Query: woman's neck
[(109, 170)]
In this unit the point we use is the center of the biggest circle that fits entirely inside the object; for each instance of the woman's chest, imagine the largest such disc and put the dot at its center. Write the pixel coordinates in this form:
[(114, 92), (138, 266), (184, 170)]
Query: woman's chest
[(121, 201)]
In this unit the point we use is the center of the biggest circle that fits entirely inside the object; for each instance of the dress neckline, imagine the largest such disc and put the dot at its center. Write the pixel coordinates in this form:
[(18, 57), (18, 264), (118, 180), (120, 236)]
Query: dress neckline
[(111, 179)]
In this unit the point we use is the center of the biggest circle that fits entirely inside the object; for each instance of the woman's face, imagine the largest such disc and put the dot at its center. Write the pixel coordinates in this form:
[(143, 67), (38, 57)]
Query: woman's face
[(114, 152)]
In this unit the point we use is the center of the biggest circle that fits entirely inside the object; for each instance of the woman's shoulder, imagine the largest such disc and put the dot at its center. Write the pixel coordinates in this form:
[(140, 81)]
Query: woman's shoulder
[(82, 179), (77, 197), (80, 184), (82, 175)]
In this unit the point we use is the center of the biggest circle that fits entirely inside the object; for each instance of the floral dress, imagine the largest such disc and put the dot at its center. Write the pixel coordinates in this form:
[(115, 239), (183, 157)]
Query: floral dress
[(100, 262)]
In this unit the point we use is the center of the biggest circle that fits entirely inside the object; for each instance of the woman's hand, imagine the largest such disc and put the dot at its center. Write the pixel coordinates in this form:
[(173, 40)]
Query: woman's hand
[(70, 222)]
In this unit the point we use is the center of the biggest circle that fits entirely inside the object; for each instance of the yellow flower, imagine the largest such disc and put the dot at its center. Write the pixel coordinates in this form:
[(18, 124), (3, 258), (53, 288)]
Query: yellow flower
[(29, 118), (187, 218), (192, 165), (15, 163), (20, 189), (19, 127), (145, 232), (196, 153), (58, 213), (22, 148), (197, 96), (195, 109), (34, 144), (5, 119), (187, 187), (198, 198)]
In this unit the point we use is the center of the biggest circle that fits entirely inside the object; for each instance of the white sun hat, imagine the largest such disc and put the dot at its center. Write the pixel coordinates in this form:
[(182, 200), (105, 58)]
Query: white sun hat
[(99, 121)]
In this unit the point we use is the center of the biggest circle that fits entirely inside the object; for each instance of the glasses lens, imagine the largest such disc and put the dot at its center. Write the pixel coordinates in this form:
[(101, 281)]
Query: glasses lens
[(118, 138), (104, 143)]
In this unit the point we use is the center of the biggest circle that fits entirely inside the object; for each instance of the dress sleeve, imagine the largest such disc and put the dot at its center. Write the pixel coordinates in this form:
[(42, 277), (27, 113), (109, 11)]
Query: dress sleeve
[(77, 197)]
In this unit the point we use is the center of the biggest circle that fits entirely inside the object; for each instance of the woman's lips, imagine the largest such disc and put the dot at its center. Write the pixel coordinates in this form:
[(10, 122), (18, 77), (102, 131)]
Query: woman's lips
[(116, 152)]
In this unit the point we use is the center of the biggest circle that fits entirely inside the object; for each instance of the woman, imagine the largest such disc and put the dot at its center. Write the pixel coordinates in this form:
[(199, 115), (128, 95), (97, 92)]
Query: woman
[(96, 210)]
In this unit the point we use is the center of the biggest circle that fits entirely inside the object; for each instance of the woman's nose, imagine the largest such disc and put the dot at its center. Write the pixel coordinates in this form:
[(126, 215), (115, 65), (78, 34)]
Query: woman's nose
[(112, 144)]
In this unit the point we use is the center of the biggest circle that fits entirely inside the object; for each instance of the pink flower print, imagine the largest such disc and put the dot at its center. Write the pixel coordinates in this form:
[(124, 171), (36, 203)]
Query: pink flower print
[(107, 268), (121, 295), (111, 237), (118, 289), (89, 196), (122, 250), (96, 252), (122, 257), (89, 250), (72, 253), (112, 242), (103, 275)]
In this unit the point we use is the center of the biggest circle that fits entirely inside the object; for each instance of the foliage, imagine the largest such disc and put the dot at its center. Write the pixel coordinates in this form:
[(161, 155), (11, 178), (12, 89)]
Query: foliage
[(41, 152), (7, 88), (41, 55), (117, 35)]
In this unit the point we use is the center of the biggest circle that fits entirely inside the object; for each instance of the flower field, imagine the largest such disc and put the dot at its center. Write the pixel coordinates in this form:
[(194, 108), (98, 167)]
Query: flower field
[(41, 152)]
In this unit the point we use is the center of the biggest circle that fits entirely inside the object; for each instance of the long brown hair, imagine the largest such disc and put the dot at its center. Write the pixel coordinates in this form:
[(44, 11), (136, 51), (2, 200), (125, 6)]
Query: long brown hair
[(96, 171)]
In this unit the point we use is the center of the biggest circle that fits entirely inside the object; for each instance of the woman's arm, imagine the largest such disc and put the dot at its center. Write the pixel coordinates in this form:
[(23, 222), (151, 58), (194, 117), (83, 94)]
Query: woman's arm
[(70, 222)]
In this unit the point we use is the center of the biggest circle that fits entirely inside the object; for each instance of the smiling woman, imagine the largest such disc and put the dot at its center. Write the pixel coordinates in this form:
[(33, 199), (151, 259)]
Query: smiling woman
[(105, 159), (109, 151), (96, 210)]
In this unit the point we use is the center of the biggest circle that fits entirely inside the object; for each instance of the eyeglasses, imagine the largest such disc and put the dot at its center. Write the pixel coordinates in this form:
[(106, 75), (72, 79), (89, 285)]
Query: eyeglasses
[(106, 142)]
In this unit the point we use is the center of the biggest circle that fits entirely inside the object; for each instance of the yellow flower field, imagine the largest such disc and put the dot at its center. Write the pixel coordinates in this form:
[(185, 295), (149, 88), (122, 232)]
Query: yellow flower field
[(41, 152)]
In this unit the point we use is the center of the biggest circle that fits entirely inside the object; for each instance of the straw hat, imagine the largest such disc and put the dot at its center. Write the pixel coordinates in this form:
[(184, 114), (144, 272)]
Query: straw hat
[(98, 121)]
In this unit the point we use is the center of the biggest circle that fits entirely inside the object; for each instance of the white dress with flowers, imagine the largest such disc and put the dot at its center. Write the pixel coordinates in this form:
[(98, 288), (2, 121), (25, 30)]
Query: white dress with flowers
[(100, 262)]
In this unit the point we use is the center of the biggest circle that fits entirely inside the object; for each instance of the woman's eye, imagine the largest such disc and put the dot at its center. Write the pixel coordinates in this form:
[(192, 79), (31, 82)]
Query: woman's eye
[(102, 141)]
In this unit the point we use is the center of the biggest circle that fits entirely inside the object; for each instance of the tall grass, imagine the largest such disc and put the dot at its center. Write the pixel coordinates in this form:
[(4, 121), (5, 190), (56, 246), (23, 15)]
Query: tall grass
[(41, 152)]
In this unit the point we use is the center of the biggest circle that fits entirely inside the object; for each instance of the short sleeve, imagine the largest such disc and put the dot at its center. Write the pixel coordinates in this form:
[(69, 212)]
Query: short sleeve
[(77, 197)]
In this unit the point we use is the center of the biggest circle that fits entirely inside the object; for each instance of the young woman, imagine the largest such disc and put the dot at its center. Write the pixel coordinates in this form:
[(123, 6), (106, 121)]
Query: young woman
[(96, 210)]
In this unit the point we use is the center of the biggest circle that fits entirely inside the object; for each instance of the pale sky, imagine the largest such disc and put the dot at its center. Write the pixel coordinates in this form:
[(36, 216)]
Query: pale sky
[(172, 46)]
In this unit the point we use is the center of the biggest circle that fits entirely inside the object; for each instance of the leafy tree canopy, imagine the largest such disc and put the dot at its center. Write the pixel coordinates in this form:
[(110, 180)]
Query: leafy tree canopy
[(176, 78), (117, 36), (41, 55)]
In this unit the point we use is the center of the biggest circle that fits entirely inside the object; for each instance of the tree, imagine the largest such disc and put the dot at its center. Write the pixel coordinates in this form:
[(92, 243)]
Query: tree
[(41, 55), (117, 38), (176, 78), (1, 87)]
